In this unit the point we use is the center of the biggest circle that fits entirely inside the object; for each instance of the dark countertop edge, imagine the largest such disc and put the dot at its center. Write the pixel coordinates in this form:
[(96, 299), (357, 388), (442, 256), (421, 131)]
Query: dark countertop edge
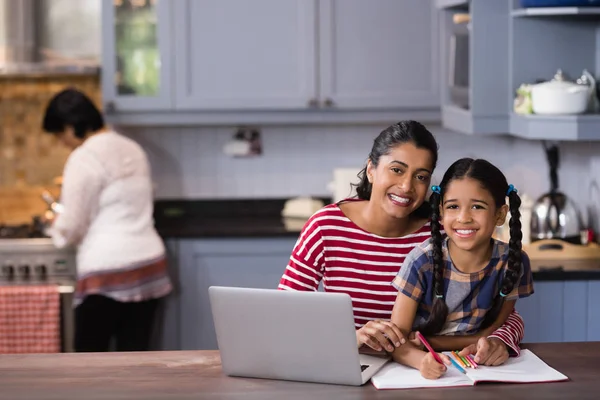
[(556, 275), (178, 235)]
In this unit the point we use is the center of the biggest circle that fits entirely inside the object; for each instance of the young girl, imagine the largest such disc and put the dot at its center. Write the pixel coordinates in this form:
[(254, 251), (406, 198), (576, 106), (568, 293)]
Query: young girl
[(466, 282)]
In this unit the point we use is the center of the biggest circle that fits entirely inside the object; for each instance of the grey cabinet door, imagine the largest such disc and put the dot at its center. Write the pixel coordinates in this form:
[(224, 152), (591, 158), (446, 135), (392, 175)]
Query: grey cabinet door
[(255, 263), (562, 311), (239, 54), (136, 56), (379, 54)]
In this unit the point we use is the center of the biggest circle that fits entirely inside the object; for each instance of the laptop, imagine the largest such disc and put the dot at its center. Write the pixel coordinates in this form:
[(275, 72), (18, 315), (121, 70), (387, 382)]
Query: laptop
[(288, 335)]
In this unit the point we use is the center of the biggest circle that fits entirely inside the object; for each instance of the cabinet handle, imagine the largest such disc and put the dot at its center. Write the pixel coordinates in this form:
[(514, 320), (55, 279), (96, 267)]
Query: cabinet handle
[(313, 103), (328, 103), (109, 107)]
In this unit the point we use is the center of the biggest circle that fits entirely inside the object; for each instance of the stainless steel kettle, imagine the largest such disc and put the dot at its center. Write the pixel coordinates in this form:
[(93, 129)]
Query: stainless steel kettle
[(554, 215)]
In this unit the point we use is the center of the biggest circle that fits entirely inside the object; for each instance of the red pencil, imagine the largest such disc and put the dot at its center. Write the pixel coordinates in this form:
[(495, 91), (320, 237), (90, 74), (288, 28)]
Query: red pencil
[(435, 355)]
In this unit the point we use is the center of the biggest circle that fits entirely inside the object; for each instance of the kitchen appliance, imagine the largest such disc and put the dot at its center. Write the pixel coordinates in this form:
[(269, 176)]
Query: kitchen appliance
[(29, 258), (554, 215), (458, 64)]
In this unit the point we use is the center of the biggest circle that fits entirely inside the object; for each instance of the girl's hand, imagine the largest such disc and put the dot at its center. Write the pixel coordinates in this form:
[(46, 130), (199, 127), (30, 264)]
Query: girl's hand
[(380, 335), (487, 351), (431, 369)]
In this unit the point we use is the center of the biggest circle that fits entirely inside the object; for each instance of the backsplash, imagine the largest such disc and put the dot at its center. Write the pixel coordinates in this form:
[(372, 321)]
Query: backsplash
[(29, 158), (189, 162)]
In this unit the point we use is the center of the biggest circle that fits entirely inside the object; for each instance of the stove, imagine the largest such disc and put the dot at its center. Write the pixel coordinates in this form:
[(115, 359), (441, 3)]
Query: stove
[(27, 257)]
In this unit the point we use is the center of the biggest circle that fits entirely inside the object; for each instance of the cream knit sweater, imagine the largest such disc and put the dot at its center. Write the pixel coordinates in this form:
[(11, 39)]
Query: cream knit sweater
[(108, 205)]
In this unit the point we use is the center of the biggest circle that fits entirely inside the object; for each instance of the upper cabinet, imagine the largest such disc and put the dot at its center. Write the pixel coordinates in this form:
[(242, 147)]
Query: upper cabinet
[(381, 54), (136, 59), (543, 41), (261, 61), (236, 54), (495, 53), (474, 51)]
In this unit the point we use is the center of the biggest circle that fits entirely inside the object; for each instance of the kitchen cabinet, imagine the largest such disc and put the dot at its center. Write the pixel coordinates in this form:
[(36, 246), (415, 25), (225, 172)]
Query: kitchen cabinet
[(378, 54), (563, 38), (284, 61), (562, 311), (136, 61), (507, 46), (244, 262), (236, 54), (474, 52)]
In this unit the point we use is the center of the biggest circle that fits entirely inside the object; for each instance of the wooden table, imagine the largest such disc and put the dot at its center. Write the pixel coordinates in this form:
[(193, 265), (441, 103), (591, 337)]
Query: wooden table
[(197, 375)]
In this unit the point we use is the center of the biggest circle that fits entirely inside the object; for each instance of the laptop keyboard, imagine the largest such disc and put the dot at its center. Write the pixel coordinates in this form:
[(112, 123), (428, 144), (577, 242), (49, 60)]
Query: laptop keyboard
[(363, 367)]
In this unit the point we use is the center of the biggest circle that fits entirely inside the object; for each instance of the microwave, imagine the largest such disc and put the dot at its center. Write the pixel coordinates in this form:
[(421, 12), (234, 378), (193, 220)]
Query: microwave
[(458, 71)]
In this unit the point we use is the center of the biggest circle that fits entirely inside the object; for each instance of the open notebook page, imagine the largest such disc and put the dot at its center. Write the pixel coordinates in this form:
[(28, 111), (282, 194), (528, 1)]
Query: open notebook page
[(398, 376), (526, 368)]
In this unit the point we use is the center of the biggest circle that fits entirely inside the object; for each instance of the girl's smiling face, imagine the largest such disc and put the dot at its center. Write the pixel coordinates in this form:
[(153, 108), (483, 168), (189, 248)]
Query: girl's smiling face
[(469, 214)]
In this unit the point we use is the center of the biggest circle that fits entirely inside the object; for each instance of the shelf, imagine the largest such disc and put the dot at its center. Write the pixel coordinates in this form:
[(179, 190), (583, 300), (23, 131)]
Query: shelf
[(556, 11), (462, 120), (452, 4), (556, 127)]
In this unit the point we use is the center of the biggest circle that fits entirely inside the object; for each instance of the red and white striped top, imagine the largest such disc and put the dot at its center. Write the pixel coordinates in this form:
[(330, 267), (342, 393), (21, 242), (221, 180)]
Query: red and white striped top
[(347, 259)]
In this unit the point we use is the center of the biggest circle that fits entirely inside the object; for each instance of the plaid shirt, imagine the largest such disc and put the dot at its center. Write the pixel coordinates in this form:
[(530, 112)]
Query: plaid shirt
[(469, 296)]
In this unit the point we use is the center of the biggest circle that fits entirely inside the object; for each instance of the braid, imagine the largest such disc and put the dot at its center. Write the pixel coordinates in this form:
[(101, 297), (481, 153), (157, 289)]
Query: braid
[(513, 269), (514, 264), (439, 309)]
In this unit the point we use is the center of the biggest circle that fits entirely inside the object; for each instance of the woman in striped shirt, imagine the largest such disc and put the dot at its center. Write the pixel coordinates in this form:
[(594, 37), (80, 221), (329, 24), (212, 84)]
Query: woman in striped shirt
[(356, 246)]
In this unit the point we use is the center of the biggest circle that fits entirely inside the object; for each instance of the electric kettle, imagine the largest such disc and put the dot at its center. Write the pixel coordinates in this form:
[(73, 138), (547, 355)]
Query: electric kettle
[(554, 215)]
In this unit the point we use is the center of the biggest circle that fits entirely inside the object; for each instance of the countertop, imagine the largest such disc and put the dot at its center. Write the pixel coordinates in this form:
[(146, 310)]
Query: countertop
[(224, 218), (179, 375), (261, 218)]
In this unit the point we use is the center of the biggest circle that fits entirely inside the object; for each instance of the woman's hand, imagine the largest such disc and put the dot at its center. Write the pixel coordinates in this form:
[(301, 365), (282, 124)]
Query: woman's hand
[(487, 351), (431, 369), (380, 335)]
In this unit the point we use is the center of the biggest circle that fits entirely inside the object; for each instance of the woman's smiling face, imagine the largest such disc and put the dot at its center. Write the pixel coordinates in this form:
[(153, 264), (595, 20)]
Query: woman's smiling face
[(400, 179)]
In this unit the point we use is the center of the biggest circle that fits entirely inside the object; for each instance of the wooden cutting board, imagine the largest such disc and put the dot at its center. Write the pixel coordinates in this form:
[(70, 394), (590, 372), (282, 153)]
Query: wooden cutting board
[(554, 253)]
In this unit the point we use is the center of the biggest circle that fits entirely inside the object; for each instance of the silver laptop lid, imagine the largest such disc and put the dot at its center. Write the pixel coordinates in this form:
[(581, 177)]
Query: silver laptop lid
[(304, 336)]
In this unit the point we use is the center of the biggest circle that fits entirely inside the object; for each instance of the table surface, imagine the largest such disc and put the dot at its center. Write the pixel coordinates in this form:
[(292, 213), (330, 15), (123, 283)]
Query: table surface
[(198, 375)]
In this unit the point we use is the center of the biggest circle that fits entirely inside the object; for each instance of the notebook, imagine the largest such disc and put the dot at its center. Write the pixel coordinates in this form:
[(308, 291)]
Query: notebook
[(527, 368)]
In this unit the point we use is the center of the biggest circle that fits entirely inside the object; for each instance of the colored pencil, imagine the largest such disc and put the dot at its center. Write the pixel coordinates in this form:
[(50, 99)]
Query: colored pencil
[(458, 367), (460, 361), (466, 361), (424, 341), (470, 358)]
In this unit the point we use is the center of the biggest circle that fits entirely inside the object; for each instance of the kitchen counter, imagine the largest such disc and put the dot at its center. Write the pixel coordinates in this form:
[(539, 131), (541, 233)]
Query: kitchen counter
[(178, 375), (261, 219), (224, 218)]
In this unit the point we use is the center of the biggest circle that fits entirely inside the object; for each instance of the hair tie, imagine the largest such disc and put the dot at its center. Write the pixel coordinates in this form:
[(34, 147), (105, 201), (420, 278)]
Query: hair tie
[(502, 294), (436, 189), (511, 188)]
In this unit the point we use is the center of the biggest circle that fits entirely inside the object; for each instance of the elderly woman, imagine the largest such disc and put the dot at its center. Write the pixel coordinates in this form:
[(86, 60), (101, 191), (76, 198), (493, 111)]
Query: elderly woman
[(108, 204)]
